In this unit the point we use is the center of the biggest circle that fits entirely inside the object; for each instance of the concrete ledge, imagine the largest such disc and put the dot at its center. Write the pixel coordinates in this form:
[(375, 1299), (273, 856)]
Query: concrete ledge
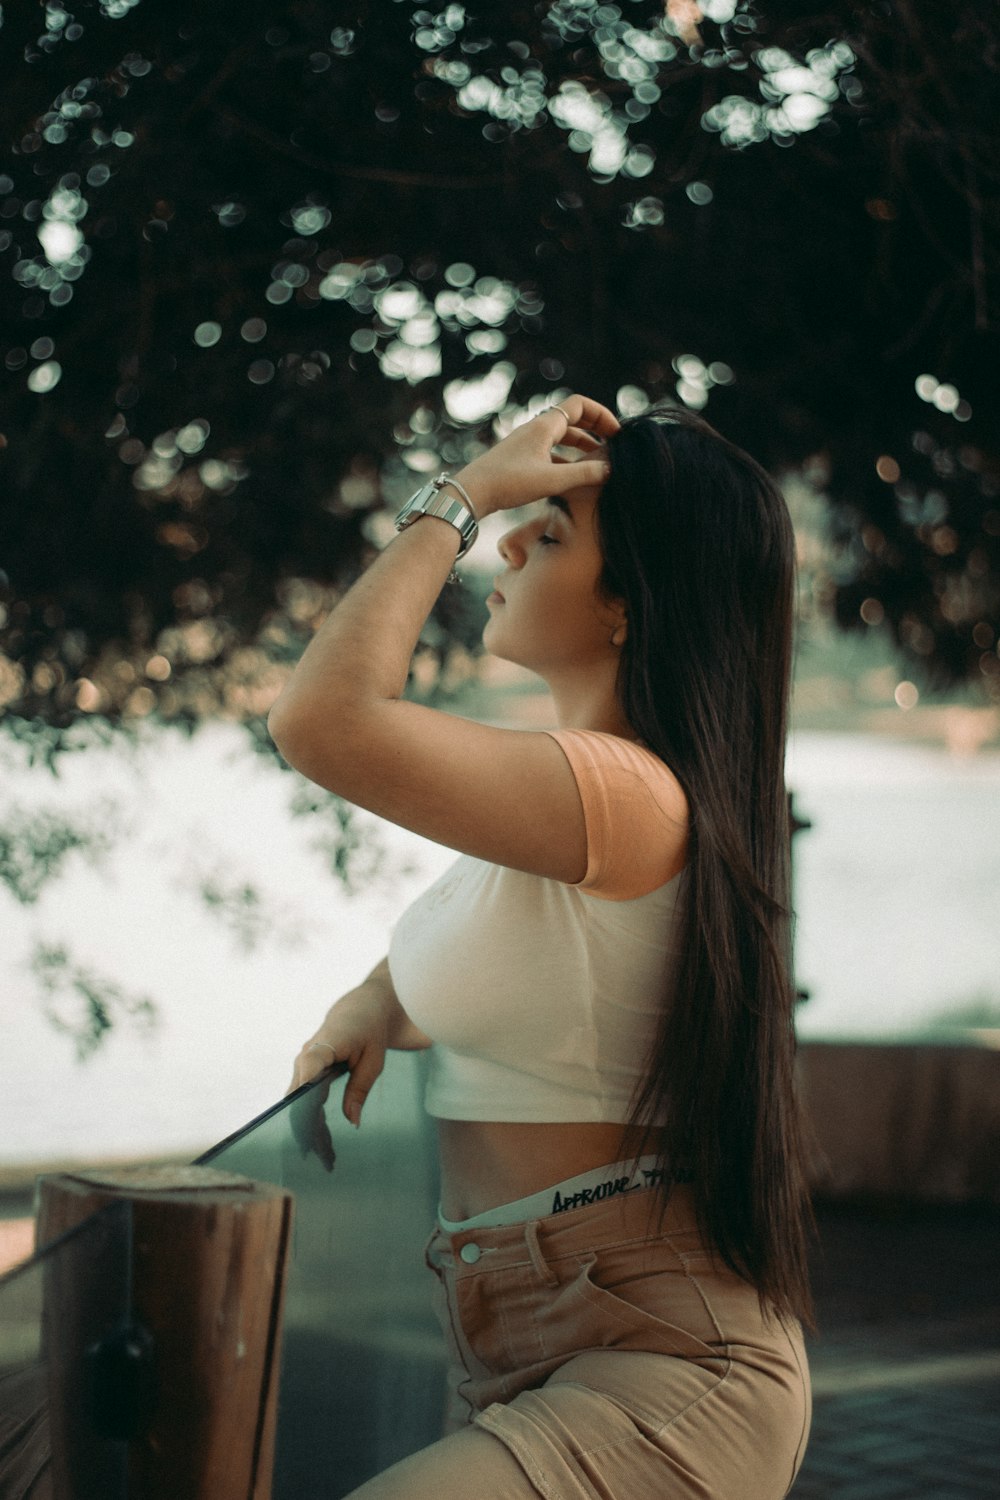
[(907, 1120)]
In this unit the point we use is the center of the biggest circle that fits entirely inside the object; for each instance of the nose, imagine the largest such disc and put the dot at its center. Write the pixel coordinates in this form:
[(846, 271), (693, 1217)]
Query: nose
[(511, 547)]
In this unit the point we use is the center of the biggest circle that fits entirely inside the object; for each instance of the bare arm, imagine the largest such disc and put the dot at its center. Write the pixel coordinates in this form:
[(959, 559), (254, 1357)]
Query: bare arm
[(342, 721), (358, 1030)]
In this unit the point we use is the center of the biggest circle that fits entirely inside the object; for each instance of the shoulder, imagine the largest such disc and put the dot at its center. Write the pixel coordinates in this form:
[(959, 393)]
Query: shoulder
[(635, 809), (625, 768)]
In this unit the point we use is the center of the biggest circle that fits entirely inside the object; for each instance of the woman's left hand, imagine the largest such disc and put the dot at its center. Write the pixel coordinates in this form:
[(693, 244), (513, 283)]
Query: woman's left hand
[(521, 467)]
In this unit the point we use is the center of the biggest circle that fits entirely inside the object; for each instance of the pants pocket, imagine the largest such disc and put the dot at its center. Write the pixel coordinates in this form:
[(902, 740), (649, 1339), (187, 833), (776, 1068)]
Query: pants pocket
[(649, 1307)]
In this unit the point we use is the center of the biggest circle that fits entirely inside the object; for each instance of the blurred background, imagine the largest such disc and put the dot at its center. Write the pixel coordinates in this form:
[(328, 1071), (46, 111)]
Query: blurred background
[(265, 269)]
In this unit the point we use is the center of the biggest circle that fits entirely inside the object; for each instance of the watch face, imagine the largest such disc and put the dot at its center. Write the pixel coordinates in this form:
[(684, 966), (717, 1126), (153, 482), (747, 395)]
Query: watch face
[(414, 507), (429, 500)]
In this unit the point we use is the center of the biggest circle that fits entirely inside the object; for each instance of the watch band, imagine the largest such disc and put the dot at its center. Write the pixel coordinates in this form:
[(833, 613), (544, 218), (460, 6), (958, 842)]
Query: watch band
[(429, 501)]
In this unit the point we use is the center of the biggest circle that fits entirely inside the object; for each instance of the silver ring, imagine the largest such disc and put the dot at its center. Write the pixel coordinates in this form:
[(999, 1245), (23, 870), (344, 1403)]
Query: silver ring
[(556, 407), (332, 1050)]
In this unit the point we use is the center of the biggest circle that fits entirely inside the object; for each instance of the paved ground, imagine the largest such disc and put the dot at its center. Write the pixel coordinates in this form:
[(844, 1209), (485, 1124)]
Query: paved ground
[(906, 1370)]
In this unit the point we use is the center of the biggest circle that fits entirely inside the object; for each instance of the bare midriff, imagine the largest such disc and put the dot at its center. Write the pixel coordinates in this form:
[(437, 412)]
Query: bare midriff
[(488, 1162)]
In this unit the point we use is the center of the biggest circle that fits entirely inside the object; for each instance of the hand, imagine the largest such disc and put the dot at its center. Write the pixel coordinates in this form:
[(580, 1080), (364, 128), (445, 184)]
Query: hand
[(354, 1033), (521, 467)]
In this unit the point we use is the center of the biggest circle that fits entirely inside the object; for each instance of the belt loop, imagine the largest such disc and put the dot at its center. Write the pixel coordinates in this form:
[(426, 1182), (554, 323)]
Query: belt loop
[(432, 1249), (538, 1260)]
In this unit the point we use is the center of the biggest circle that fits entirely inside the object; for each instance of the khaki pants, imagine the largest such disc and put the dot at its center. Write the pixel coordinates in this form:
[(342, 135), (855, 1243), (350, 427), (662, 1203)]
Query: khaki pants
[(617, 1359)]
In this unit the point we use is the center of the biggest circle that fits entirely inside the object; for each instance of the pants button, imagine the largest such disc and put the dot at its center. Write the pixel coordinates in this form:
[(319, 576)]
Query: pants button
[(470, 1253)]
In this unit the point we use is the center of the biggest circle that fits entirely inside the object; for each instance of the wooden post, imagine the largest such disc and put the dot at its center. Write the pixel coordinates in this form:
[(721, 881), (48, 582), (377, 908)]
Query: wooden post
[(207, 1273)]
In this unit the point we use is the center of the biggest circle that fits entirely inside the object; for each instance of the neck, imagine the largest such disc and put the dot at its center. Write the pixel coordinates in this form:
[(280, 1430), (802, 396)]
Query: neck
[(590, 703)]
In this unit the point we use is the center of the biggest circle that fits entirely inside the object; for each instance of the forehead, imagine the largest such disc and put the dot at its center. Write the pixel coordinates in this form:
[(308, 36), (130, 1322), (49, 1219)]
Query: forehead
[(580, 509)]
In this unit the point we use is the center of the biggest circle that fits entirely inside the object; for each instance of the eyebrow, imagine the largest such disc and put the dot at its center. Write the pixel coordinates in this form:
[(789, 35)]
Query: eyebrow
[(561, 504)]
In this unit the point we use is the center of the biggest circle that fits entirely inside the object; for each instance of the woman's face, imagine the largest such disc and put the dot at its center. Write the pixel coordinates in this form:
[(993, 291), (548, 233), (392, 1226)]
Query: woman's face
[(548, 613)]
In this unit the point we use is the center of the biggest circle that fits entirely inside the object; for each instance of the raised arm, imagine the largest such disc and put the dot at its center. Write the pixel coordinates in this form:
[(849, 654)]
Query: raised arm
[(505, 796)]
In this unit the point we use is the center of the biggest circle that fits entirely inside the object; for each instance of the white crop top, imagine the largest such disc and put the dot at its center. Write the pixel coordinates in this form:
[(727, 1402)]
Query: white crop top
[(543, 999)]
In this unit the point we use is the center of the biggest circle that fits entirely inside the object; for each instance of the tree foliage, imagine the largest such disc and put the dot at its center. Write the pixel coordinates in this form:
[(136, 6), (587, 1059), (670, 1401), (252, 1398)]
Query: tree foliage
[(264, 267), (84, 1005)]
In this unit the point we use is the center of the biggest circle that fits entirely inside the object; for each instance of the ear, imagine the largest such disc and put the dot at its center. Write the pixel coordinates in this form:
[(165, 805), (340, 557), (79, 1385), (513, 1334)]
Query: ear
[(618, 620), (614, 617)]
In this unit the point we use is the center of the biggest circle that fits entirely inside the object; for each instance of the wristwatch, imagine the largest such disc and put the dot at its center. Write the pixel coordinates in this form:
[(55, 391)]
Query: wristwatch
[(429, 501)]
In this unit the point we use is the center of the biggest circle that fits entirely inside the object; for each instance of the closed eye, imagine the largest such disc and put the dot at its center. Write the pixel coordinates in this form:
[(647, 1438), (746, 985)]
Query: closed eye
[(552, 541)]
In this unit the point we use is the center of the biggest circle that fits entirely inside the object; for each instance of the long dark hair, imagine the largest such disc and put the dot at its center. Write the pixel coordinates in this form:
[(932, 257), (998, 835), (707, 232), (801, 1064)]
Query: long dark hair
[(698, 542)]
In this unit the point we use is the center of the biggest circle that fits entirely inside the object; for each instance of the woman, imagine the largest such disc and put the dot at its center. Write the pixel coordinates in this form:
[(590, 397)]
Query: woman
[(604, 976)]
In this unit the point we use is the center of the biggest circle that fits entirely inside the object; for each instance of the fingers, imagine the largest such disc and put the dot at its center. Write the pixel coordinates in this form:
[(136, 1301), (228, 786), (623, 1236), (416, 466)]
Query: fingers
[(576, 437), (365, 1068), (520, 468), (363, 1075), (576, 461), (300, 1077), (584, 474), (583, 412), (315, 1058)]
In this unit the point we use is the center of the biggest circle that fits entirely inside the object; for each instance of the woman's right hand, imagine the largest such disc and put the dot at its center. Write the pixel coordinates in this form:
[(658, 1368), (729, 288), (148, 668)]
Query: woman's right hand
[(354, 1031)]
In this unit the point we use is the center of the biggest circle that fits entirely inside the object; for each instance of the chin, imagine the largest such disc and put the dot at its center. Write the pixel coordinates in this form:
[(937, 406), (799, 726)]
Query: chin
[(492, 637), (495, 646)]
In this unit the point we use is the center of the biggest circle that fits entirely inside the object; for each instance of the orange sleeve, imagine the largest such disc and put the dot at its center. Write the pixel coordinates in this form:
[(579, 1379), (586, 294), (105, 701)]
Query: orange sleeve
[(635, 812)]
